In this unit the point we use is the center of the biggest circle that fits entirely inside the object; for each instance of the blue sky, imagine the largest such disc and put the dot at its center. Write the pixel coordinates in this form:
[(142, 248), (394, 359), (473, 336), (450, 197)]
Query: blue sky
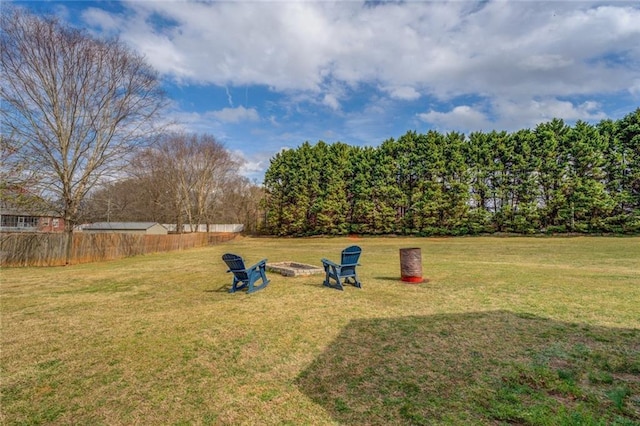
[(262, 76)]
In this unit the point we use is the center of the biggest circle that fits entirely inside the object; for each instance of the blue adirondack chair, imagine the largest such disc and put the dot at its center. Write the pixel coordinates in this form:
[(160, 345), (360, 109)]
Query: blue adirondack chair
[(345, 272), (244, 277)]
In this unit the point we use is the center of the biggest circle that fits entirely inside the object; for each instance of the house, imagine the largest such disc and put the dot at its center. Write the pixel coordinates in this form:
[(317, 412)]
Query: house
[(22, 211), (14, 220), (147, 228)]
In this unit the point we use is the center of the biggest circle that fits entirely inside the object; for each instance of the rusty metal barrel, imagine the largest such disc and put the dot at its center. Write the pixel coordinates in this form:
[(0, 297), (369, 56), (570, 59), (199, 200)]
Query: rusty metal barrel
[(411, 265)]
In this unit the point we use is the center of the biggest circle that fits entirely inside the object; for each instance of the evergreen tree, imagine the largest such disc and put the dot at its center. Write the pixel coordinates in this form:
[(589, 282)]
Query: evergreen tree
[(455, 185), (549, 146), (478, 153), (332, 206), (386, 193), (430, 207), (628, 137), (362, 203), (587, 201), (526, 216), (555, 178)]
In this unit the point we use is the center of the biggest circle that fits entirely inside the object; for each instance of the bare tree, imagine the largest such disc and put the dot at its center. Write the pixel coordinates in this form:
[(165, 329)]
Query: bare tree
[(121, 201), (215, 169), (184, 179), (242, 201), (76, 105), (15, 177), (189, 173)]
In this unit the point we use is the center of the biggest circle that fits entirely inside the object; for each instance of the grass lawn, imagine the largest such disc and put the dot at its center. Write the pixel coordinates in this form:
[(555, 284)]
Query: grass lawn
[(540, 331)]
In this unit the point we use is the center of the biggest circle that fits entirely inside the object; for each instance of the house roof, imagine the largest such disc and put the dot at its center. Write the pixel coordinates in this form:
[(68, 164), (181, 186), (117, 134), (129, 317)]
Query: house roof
[(11, 211), (121, 226)]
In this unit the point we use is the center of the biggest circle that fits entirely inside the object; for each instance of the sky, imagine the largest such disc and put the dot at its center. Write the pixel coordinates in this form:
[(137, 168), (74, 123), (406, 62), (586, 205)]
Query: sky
[(263, 76)]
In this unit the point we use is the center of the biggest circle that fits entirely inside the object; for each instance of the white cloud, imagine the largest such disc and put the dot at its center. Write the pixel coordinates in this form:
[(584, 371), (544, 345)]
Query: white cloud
[(461, 118), (443, 48), (406, 93), (253, 166), (235, 115), (280, 45), (545, 62), (497, 64), (505, 114), (99, 18), (331, 101), (514, 115), (635, 88)]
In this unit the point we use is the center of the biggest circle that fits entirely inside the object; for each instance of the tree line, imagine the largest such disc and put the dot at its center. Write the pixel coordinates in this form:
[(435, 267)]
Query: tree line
[(555, 178), (184, 179), (83, 128), (84, 135)]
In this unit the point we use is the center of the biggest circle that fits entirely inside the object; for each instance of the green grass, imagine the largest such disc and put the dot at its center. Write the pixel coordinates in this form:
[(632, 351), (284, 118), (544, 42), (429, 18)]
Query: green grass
[(529, 331)]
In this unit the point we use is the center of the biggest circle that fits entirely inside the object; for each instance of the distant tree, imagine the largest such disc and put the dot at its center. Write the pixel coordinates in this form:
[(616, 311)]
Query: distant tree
[(122, 201), (306, 192), (549, 145), (408, 169), (555, 178), (184, 177), (240, 202), (480, 161), (526, 217), (276, 184), (431, 206), (77, 106), (628, 142), (386, 191), (500, 175), (362, 205), (293, 192), (332, 207), (16, 176), (588, 202), (456, 185)]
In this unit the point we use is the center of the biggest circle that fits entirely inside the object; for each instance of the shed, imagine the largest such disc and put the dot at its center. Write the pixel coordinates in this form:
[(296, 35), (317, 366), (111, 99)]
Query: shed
[(148, 228)]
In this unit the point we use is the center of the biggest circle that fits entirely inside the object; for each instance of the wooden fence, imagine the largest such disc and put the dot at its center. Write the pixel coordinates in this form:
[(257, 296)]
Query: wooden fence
[(45, 249)]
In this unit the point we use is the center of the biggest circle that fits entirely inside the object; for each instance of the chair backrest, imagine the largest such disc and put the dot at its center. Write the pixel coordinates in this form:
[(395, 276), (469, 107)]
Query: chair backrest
[(350, 255), (235, 264)]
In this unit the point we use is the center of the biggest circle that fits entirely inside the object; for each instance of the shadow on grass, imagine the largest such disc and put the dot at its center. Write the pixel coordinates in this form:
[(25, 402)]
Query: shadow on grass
[(222, 289), (394, 279), (478, 368)]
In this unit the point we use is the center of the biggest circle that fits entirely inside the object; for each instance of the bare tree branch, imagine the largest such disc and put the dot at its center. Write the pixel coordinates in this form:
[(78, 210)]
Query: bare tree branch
[(76, 106)]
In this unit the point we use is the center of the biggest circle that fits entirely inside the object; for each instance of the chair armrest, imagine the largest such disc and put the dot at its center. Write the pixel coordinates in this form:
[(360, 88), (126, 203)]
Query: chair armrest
[(330, 263), (257, 265)]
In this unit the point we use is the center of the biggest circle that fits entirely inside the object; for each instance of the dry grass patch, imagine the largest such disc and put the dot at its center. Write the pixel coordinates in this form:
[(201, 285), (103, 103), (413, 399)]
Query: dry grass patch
[(477, 368), (157, 339)]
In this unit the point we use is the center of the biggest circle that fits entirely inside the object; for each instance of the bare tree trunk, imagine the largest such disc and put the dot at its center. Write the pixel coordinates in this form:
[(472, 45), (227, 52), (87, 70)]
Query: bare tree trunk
[(69, 249), (76, 106)]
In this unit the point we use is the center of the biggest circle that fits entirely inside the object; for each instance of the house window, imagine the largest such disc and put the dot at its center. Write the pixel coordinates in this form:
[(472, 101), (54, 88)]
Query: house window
[(20, 223), (9, 221), (55, 223), (45, 221), (27, 222)]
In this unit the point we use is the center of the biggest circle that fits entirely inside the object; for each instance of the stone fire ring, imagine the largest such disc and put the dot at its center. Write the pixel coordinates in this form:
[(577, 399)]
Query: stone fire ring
[(294, 269)]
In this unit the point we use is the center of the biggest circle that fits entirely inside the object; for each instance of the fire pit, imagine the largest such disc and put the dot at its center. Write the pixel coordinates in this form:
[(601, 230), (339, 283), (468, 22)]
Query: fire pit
[(293, 269)]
